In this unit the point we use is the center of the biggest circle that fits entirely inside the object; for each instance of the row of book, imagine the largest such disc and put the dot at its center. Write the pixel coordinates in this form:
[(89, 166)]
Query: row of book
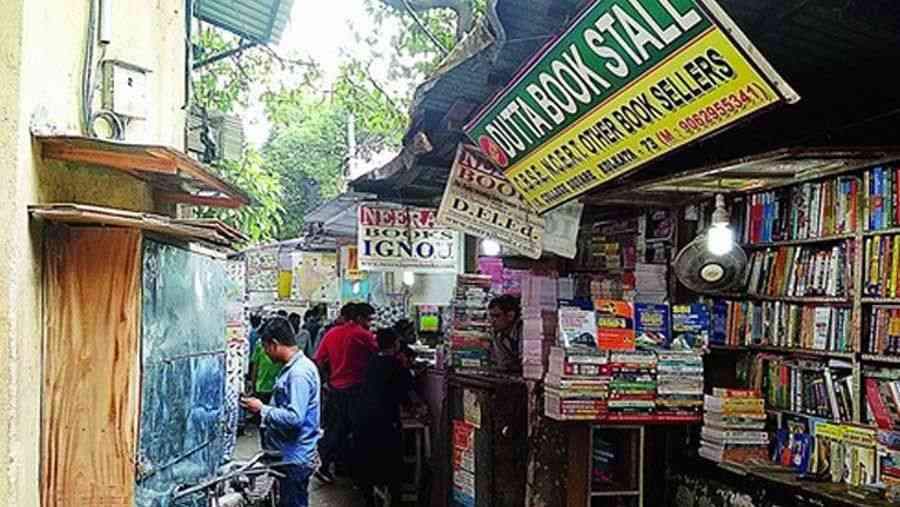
[(623, 386), (884, 330), (810, 210), (788, 325), (882, 208), (814, 388), (734, 426), (470, 336), (881, 268), (623, 325), (801, 271)]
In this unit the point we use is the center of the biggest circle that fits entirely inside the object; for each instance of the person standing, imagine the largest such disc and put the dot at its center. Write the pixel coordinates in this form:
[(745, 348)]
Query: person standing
[(264, 371), (290, 421), (343, 358), (379, 449), (505, 314)]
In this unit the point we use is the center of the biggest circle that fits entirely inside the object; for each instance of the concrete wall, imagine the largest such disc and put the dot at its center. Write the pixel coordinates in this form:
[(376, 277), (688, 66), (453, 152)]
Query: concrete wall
[(41, 54)]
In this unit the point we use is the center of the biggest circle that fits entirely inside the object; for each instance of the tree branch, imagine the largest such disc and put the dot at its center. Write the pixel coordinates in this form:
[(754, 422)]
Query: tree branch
[(465, 12)]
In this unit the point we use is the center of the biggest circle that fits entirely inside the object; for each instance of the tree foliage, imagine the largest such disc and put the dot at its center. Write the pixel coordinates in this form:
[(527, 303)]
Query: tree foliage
[(306, 149), (302, 163)]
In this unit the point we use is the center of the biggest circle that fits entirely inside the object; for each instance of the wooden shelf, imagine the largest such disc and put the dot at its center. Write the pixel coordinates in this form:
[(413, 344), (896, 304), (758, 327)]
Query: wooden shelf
[(788, 299), (615, 493), (775, 411), (783, 350), (878, 358), (792, 242), (882, 232), (877, 300)]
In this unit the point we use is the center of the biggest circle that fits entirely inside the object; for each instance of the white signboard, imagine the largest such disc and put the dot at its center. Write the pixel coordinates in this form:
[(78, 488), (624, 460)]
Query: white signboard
[(482, 202), (408, 239)]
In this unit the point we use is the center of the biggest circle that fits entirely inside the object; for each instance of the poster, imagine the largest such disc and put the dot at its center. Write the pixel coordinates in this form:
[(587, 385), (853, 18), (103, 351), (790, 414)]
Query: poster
[(561, 229), (483, 203), (464, 465), (627, 83), (471, 408), (350, 263), (262, 270), (405, 239), (316, 276)]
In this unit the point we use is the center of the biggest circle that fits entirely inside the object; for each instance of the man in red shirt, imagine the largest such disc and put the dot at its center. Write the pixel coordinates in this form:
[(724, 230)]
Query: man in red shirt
[(343, 357)]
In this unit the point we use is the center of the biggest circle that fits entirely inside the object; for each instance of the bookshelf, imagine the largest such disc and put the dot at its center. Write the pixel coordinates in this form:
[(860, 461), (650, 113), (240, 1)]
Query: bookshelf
[(855, 231)]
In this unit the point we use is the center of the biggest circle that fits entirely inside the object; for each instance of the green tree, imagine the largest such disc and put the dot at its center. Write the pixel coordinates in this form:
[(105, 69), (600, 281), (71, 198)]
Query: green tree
[(232, 83), (307, 149)]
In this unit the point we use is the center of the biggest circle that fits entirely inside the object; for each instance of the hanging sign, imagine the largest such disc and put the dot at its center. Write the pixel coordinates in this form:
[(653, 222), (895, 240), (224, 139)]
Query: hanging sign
[(391, 239), (483, 203), (561, 229), (629, 81)]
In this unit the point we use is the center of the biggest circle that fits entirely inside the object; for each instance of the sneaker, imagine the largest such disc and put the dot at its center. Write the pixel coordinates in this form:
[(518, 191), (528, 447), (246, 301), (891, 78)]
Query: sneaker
[(324, 476)]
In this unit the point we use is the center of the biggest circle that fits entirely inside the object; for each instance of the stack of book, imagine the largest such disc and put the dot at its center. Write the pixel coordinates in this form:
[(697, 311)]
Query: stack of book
[(881, 270), (679, 385), (881, 198), (884, 330), (889, 462), (577, 384), (801, 271), (470, 337), (734, 426), (781, 324), (632, 387), (811, 210), (539, 323)]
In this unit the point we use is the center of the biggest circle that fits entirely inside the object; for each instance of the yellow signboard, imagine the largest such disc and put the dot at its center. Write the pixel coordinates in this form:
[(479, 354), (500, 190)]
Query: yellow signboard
[(630, 81)]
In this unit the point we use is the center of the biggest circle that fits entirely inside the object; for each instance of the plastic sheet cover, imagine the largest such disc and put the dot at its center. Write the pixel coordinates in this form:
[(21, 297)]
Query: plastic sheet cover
[(181, 434)]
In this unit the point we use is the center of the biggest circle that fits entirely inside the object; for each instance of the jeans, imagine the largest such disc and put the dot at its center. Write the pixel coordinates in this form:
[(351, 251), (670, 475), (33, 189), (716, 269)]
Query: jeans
[(294, 488), (340, 419)]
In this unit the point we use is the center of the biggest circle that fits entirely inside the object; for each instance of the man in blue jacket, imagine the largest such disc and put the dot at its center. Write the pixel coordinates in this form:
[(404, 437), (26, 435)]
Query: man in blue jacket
[(290, 423)]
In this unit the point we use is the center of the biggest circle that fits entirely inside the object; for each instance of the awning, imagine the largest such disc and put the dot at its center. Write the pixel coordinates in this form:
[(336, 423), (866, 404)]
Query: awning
[(173, 175), (211, 232), (261, 21), (337, 217)]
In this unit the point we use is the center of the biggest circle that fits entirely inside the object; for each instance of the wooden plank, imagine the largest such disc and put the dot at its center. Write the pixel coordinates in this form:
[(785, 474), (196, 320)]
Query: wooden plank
[(578, 484), (91, 367), (220, 202), (111, 159)]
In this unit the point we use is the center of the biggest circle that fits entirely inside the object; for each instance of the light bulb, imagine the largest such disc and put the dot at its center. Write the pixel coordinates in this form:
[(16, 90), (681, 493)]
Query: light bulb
[(490, 248), (409, 278), (719, 239), (356, 287)]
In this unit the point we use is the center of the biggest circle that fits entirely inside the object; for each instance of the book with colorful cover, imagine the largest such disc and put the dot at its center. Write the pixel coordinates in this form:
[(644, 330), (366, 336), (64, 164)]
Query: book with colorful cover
[(719, 334), (652, 325), (690, 327), (615, 325), (577, 328)]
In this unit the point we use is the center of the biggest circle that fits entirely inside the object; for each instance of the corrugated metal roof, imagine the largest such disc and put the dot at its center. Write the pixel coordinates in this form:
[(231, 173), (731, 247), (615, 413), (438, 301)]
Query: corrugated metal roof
[(262, 21)]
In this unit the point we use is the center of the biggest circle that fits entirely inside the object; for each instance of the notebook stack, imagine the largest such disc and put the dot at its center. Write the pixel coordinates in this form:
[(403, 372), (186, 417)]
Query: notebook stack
[(539, 323), (470, 337), (679, 386), (632, 388), (734, 426), (577, 384)]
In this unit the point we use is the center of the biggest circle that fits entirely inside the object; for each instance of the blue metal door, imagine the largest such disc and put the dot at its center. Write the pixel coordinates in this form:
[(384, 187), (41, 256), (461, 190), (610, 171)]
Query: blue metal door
[(182, 417)]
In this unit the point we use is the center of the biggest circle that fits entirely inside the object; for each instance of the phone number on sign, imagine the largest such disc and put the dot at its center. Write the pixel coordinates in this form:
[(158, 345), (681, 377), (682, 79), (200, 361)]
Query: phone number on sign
[(723, 109)]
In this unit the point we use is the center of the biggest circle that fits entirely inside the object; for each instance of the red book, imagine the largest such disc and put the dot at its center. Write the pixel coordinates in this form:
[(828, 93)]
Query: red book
[(876, 404), (722, 392)]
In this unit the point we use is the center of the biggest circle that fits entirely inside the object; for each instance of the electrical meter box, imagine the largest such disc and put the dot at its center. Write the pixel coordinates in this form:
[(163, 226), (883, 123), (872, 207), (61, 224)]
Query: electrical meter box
[(125, 89)]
